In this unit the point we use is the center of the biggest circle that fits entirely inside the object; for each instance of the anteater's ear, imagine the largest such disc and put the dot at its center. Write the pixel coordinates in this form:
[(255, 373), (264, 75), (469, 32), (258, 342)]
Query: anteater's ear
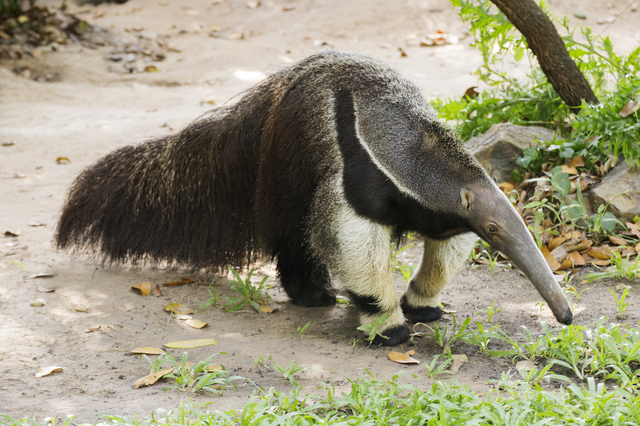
[(467, 199)]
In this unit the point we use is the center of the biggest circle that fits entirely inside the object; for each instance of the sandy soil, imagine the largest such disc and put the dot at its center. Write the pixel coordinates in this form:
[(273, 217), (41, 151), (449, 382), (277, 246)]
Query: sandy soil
[(91, 107)]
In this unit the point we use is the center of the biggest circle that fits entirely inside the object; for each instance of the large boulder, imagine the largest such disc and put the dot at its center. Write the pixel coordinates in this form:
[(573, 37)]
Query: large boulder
[(499, 148), (621, 179)]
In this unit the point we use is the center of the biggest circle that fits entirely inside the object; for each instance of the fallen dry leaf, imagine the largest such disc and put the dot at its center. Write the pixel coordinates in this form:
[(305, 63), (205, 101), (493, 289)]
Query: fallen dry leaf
[(11, 233), (45, 289), (505, 187), (92, 329), (401, 358), (569, 170), (551, 261), (411, 352), (267, 309), (183, 317), (566, 264), (471, 92), (638, 248), (38, 303), (599, 255), (576, 162), (156, 292), (559, 253), (573, 235), (80, 307), (617, 240), (196, 324), (526, 365), (634, 229), (151, 68), (629, 108), (178, 308), (183, 280), (576, 258), (457, 362), (45, 371), (147, 351), (152, 378), (188, 344), (144, 288), (555, 242), (214, 367), (62, 160)]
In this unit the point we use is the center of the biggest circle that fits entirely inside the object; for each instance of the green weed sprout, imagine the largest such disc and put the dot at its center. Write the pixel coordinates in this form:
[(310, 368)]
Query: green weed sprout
[(253, 295), (290, 370)]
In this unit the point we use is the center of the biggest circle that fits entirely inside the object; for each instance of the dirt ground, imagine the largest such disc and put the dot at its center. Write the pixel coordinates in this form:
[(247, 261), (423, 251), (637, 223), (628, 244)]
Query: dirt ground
[(90, 106)]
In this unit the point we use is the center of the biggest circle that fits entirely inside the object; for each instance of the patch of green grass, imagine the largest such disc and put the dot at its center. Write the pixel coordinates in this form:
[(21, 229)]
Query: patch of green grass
[(594, 133), (193, 377), (290, 370), (304, 328), (620, 268), (249, 294), (373, 329)]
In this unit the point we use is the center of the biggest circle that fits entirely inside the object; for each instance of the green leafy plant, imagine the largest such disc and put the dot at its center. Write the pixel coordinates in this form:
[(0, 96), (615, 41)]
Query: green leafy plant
[(403, 270), (290, 370), (595, 132), (213, 299), (304, 328), (435, 369), (262, 360), (620, 301), (622, 267), (372, 329), (253, 295), (193, 377)]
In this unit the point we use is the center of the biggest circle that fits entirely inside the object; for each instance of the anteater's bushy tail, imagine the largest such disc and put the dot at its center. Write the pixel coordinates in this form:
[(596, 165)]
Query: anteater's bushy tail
[(186, 198)]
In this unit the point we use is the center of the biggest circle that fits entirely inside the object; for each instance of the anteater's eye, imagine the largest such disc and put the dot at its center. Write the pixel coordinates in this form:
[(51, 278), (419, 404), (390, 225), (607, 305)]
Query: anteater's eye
[(492, 229)]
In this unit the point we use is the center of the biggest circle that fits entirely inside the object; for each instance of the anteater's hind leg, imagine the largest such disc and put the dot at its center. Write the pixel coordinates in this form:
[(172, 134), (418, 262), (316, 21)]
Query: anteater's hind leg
[(440, 261), (306, 281)]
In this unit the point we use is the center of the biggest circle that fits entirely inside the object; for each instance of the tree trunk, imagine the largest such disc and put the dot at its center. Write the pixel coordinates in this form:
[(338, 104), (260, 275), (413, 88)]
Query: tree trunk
[(545, 42)]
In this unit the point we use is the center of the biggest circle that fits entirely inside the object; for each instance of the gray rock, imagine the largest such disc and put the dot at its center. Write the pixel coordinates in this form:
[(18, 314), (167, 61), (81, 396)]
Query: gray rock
[(498, 149), (622, 178)]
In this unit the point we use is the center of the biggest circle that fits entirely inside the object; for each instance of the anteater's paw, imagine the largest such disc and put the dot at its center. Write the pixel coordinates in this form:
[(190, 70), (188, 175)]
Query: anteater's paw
[(322, 297), (422, 314), (392, 336)]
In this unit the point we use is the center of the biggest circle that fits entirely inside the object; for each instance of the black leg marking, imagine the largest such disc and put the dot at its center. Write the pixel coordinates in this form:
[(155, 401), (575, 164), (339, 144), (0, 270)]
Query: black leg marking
[(306, 281), (394, 336), (365, 304), (422, 314)]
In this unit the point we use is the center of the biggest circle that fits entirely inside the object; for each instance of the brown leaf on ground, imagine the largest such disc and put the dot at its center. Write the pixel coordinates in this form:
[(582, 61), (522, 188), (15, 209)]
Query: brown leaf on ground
[(576, 258), (152, 378), (183, 280), (551, 261), (505, 187), (471, 92), (457, 362), (559, 253), (581, 246), (62, 160), (178, 308), (634, 229), (11, 234), (214, 367), (555, 242), (599, 255), (188, 344), (267, 309), (45, 371), (569, 170), (147, 351), (572, 235), (401, 358), (638, 248), (629, 108), (194, 323), (576, 162), (144, 288), (617, 240), (566, 264)]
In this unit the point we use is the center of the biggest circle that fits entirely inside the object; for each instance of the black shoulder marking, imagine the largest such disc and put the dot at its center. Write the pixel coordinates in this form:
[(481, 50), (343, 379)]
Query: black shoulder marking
[(373, 195)]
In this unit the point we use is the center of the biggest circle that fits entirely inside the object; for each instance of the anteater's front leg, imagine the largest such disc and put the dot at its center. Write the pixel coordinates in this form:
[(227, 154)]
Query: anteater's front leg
[(364, 269), (440, 261)]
